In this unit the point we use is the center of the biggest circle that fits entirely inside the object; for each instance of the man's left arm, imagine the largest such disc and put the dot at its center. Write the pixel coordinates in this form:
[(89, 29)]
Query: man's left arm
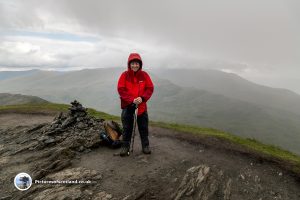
[(149, 88)]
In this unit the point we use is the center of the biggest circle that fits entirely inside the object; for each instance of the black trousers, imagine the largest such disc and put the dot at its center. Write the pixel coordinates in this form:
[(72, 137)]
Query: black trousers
[(127, 118)]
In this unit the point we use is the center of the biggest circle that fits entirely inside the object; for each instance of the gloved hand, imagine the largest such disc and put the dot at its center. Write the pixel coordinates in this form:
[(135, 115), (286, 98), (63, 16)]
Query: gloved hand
[(138, 100)]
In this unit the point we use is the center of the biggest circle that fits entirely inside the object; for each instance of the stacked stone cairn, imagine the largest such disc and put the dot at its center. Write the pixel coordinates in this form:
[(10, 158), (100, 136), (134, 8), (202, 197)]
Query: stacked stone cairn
[(74, 129)]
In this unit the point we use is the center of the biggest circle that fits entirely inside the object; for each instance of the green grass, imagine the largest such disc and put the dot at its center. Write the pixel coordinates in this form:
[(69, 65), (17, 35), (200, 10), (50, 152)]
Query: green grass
[(35, 107), (51, 107), (103, 115), (251, 144)]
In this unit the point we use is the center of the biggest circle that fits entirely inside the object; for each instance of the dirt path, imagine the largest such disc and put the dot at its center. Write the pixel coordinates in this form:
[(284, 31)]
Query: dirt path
[(226, 175), (15, 119)]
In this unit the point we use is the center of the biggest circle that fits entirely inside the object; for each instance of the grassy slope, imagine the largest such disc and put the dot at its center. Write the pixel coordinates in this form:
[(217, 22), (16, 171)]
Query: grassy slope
[(51, 107), (270, 151), (16, 99)]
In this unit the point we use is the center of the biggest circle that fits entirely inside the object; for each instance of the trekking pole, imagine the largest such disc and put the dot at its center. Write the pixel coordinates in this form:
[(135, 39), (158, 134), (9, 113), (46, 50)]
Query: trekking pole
[(134, 125), (135, 119)]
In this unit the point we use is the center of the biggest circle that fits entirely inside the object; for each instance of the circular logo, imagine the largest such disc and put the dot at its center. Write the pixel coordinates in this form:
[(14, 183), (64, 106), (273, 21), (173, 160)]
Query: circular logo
[(23, 181)]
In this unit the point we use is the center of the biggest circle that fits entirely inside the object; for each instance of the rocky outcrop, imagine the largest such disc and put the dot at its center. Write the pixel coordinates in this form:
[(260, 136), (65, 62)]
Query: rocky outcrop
[(52, 149), (201, 182)]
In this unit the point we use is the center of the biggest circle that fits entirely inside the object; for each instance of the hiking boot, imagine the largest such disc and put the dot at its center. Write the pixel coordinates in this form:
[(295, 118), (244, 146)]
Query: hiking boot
[(124, 151), (146, 150)]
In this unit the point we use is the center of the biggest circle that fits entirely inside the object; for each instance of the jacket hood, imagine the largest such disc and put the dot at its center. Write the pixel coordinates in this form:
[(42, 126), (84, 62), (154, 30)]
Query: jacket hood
[(134, 56)]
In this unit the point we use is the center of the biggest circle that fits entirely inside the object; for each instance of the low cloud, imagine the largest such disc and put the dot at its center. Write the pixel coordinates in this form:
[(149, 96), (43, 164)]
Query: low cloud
[(258, 40)]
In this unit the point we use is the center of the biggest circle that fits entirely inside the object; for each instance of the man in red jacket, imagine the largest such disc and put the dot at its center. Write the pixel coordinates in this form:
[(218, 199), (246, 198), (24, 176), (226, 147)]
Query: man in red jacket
[(135, 88)]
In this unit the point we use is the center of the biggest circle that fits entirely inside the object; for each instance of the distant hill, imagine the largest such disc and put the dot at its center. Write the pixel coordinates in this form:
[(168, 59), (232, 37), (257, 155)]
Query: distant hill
[(15, 99), (271, 123), (233, 86), (12, 74)]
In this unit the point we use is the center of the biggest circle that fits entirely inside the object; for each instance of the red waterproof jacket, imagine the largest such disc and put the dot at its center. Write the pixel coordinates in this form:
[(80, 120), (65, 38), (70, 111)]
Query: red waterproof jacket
[(135, 84)]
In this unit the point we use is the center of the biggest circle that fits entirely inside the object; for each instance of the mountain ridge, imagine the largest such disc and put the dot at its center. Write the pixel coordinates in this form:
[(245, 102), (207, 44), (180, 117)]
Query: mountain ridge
[(170, 103)]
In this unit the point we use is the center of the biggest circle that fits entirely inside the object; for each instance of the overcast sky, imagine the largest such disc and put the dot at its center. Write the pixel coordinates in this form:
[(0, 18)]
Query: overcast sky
[(256, 39)]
